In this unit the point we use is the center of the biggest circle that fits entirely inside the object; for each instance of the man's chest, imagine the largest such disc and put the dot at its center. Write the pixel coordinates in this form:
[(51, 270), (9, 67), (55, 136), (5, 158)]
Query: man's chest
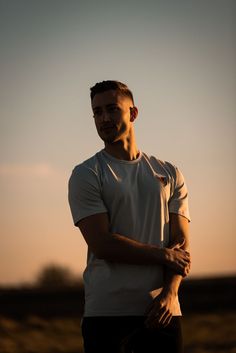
[(132, 185)]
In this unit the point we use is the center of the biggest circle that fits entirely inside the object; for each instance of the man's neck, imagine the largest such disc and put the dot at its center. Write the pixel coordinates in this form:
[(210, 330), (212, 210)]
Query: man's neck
[(128, 152)]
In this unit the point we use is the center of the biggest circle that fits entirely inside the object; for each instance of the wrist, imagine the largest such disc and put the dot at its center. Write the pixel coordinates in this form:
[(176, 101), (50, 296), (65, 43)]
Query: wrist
[(169, 290), (172, 282)]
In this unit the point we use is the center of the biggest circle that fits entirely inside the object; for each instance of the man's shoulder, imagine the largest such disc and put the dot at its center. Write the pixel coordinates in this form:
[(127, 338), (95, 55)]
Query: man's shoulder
[(163, 166), (87, 166)]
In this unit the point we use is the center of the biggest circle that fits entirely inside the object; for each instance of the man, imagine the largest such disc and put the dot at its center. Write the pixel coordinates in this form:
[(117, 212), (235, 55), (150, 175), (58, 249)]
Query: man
[(132, 210)]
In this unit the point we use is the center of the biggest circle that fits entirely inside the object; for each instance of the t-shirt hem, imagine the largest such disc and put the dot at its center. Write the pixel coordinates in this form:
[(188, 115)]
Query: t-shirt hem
[(79, 218), (181, 213)]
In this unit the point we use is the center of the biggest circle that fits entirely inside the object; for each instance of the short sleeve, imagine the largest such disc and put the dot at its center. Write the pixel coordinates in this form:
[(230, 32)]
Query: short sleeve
[(178, 202), (84, 194)]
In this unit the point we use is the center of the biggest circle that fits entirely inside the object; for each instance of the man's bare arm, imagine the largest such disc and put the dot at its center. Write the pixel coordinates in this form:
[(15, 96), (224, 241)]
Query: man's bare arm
[(122, 249), (161, 310), (179, 234)]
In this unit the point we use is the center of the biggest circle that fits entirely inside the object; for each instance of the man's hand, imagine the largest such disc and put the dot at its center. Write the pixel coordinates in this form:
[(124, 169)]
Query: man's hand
[(178, 259), (160, 312)]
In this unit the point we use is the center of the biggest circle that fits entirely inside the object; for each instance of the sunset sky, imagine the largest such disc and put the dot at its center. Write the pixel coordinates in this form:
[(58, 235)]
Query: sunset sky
[(177, 56)]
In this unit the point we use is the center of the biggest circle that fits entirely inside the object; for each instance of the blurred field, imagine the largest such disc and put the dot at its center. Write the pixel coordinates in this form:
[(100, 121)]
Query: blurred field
[(210, 333), (48, 321), (38, 335), (203, 333)]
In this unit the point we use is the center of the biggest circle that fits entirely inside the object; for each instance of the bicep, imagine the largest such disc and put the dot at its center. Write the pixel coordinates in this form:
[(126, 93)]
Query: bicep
[(95, 230), (84, 194), (179, 229)]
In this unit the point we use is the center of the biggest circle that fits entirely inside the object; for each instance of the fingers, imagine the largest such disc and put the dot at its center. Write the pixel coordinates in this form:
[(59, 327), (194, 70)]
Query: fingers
[(181, 266), (181, 255), (162, 319), (184, 262), (165, 319), (178, 260), (185, 270)]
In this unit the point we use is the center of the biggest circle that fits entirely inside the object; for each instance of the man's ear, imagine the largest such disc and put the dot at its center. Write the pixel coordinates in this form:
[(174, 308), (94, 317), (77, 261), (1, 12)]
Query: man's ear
[(133, 113)]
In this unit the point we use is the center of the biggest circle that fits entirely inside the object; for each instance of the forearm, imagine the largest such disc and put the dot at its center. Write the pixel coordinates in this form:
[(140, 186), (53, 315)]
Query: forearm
[(179, 236), (122, 249), (172, 282), (164, 305)]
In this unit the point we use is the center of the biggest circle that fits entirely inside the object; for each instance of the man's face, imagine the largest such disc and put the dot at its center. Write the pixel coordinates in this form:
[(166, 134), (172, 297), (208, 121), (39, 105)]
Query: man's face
[(113, 115)]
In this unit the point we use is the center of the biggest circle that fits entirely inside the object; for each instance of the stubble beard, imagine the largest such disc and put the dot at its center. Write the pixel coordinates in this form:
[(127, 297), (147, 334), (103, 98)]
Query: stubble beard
[(114, 136)]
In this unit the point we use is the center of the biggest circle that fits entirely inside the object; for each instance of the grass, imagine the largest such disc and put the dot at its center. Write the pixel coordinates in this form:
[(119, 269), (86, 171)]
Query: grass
[(37, 335), (210, 333), (203, 333)]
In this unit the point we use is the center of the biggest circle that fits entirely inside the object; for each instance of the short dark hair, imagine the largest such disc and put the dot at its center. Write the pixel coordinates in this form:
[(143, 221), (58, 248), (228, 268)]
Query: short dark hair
[(108, 85)]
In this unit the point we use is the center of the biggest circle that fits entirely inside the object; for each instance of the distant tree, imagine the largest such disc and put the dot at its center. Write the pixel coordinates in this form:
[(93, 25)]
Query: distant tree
[(56, 276)]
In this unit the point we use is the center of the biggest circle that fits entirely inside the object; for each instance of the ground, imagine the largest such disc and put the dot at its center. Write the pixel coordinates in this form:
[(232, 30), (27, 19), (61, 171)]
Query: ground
[(203, 333)]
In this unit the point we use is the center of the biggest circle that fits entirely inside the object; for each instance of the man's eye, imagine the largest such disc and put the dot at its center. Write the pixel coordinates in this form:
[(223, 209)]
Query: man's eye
[(113, 109), (97, 113)]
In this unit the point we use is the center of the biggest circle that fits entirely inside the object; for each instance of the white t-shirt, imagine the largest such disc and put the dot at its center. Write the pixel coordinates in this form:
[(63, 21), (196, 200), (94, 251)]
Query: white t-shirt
[(138, 196)]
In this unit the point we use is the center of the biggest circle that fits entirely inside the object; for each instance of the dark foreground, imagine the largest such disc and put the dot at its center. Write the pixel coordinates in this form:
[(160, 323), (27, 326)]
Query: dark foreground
[(48, 321)]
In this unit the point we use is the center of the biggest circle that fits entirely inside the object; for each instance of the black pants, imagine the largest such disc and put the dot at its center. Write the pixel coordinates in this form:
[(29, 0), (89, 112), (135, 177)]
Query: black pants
[(128, 334)]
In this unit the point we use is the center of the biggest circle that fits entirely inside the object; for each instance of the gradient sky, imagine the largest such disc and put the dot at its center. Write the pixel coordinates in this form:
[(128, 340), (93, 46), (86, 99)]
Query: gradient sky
[(178, 58)]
